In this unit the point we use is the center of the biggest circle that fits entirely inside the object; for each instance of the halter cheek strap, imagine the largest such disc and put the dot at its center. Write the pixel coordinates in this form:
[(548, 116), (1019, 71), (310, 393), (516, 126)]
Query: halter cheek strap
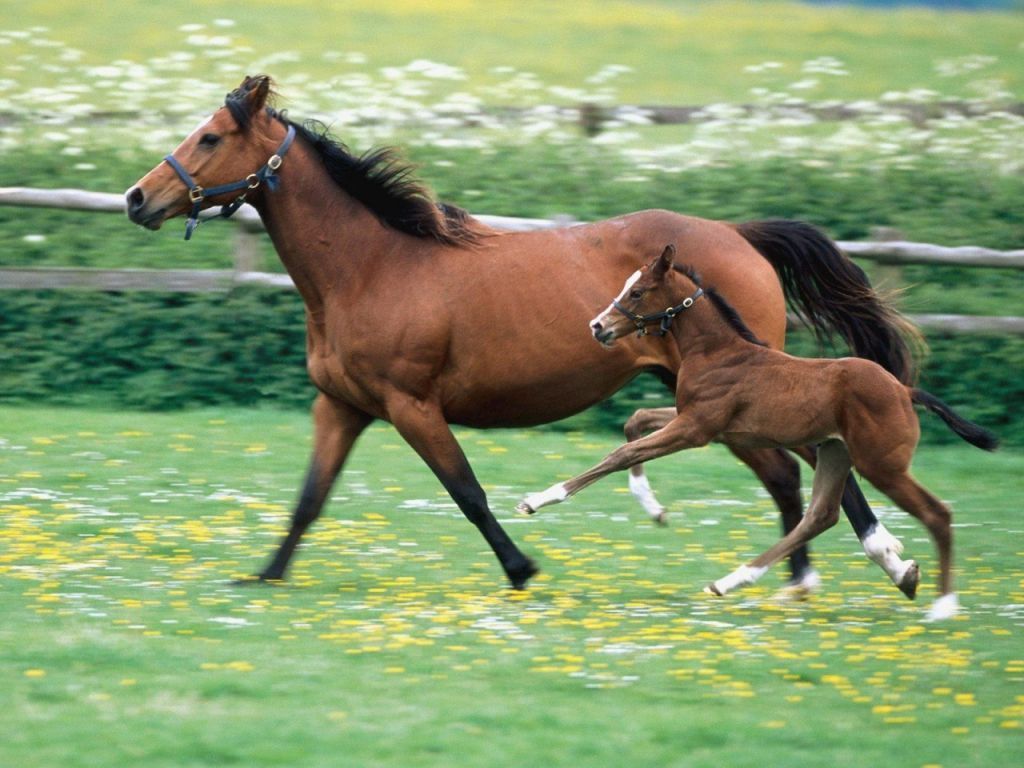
[(663, 318), (265, 175)]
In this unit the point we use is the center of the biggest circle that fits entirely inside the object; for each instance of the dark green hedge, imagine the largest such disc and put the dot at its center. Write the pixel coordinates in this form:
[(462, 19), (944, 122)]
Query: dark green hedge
[(164, 351), (153, 351)]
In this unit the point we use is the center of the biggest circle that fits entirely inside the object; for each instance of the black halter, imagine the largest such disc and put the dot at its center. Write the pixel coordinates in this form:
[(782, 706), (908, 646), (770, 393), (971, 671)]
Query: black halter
[(196, 194), (664, 318)]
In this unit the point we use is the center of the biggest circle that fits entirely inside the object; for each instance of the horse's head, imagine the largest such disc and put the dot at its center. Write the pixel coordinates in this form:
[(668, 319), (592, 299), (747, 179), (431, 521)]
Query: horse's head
[(646, 298), (221, 162)]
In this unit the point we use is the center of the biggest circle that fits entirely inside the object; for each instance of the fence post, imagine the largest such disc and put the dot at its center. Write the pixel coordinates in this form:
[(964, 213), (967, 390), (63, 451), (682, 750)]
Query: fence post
[(888, 277), (246, 250)]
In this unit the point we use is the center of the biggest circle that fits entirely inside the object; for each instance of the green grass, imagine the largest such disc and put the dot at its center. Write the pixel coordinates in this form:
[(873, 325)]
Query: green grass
[(395, 642), (681, 52)]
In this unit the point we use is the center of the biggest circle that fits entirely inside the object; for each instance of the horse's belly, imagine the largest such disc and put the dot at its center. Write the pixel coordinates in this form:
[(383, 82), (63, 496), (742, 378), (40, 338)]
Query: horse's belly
[(524, 407)]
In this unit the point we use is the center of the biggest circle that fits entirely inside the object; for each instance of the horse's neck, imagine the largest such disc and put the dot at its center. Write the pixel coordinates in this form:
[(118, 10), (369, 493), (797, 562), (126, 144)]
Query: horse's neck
[(323, 236)]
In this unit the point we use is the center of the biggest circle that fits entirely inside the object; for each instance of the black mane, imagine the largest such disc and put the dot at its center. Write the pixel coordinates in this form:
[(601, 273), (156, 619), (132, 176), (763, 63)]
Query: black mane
[(726, 310), (378, 179)]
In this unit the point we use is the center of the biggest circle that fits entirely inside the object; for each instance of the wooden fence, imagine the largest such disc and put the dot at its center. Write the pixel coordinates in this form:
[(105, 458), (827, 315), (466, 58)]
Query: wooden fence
[(249, 229)]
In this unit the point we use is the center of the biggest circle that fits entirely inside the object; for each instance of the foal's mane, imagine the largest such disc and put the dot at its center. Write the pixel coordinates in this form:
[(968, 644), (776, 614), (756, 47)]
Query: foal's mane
[(725, 310), (379, 179)]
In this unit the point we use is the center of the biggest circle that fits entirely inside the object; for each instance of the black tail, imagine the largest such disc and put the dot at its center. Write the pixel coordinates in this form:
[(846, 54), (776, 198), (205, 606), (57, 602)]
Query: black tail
[(831, 294), (969, 431)]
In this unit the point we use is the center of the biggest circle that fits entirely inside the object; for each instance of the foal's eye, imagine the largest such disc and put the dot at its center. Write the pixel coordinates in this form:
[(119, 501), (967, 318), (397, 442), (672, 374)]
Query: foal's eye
[(209, 140), (636, 294)]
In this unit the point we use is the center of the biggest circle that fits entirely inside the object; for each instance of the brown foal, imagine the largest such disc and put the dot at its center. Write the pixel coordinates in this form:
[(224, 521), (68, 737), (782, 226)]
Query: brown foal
[(739, 391)]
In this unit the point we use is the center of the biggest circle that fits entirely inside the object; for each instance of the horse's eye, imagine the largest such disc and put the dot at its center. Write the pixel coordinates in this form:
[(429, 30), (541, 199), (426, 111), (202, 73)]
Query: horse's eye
[(636, 295), (209, 140)]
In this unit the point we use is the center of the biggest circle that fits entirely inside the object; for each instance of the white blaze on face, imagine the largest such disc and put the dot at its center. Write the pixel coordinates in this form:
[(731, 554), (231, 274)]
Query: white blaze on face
[(630, 282)]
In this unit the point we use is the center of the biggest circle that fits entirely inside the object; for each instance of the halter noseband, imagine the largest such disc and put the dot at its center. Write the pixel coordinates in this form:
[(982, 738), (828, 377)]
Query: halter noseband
[(196, 194), (664, 318)]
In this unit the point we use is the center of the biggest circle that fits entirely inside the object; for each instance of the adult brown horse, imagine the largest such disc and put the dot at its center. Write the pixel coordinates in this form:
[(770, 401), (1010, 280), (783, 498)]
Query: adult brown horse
[(739, 390), (406, 302)]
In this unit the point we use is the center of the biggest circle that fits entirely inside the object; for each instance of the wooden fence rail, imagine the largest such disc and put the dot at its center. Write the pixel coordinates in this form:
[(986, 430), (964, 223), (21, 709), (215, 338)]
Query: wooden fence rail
[(249, 227)]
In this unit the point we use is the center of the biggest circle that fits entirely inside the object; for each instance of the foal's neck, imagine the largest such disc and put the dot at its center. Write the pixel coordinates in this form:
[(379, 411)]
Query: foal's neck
[(700, 330)]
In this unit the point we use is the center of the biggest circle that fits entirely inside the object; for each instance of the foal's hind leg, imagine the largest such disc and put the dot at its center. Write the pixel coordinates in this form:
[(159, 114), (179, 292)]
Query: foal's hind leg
[(780, 474), (829, 478), (879, 545), (911, 497)]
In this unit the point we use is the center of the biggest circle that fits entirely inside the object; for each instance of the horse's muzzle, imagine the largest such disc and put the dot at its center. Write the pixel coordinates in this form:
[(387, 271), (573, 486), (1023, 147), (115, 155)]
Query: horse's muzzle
[(137, 208)]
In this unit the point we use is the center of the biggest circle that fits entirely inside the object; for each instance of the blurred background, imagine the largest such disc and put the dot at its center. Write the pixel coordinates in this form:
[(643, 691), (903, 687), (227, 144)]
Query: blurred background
[(872, 120)]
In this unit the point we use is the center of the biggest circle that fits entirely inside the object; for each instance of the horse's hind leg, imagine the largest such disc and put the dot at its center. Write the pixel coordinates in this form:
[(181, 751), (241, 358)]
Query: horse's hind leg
[(336, 426), (833, 466), (642, 422), (911, 497), (424, 427)]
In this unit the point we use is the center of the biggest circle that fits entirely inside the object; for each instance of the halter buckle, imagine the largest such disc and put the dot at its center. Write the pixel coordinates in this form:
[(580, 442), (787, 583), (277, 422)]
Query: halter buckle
[(274, 162), (196, 194)]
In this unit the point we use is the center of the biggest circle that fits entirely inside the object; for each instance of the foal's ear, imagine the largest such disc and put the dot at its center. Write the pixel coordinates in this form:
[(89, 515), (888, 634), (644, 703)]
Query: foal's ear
[(664, 262)]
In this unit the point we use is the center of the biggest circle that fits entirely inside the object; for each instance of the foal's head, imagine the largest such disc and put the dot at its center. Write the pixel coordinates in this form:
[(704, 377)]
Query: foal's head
[(229, 146), (651, 296)]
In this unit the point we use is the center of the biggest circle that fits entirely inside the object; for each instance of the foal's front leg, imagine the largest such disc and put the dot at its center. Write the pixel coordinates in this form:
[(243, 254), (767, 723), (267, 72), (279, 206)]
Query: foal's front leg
[(677, 435), (640, 423), (830, 474)]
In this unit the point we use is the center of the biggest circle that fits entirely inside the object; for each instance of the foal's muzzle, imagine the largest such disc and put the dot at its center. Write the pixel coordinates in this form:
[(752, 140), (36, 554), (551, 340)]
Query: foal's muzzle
[(605, 336)]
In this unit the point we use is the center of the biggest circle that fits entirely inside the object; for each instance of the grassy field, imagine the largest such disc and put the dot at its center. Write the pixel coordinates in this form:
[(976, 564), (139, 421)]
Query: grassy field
[(679, 52), (396, 643)]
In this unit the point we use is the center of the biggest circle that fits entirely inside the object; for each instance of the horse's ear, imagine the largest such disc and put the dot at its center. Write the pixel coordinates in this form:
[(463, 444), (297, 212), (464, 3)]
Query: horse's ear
[(664, 262), (254, 92)]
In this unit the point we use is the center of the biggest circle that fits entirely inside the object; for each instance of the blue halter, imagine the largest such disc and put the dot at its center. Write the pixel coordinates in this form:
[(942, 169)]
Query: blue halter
[(265, 175)]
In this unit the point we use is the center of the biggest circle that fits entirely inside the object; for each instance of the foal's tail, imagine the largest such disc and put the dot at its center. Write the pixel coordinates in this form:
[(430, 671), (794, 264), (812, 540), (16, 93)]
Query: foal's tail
[(831, 294), (968, 430)]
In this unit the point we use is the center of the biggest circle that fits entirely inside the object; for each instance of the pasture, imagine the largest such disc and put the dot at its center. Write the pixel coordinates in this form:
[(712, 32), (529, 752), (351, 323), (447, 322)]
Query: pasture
[(674, 52), (396, 642)]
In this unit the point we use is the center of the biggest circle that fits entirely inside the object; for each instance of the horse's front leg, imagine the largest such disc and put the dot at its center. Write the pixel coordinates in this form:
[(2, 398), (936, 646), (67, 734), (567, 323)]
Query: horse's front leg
[(424, 427), (336, 425), (830, 474), (678, 434)]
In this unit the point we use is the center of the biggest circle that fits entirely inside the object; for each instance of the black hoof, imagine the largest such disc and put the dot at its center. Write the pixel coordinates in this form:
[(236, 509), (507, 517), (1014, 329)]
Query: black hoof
[(519, 576), (257, 578), (908, 584)]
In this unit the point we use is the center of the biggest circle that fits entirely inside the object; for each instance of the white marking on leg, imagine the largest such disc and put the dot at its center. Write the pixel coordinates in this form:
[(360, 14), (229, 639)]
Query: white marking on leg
[(800, 588), (640, 487), (553, 495), (741, 577), (945, 607), (884, 549)]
